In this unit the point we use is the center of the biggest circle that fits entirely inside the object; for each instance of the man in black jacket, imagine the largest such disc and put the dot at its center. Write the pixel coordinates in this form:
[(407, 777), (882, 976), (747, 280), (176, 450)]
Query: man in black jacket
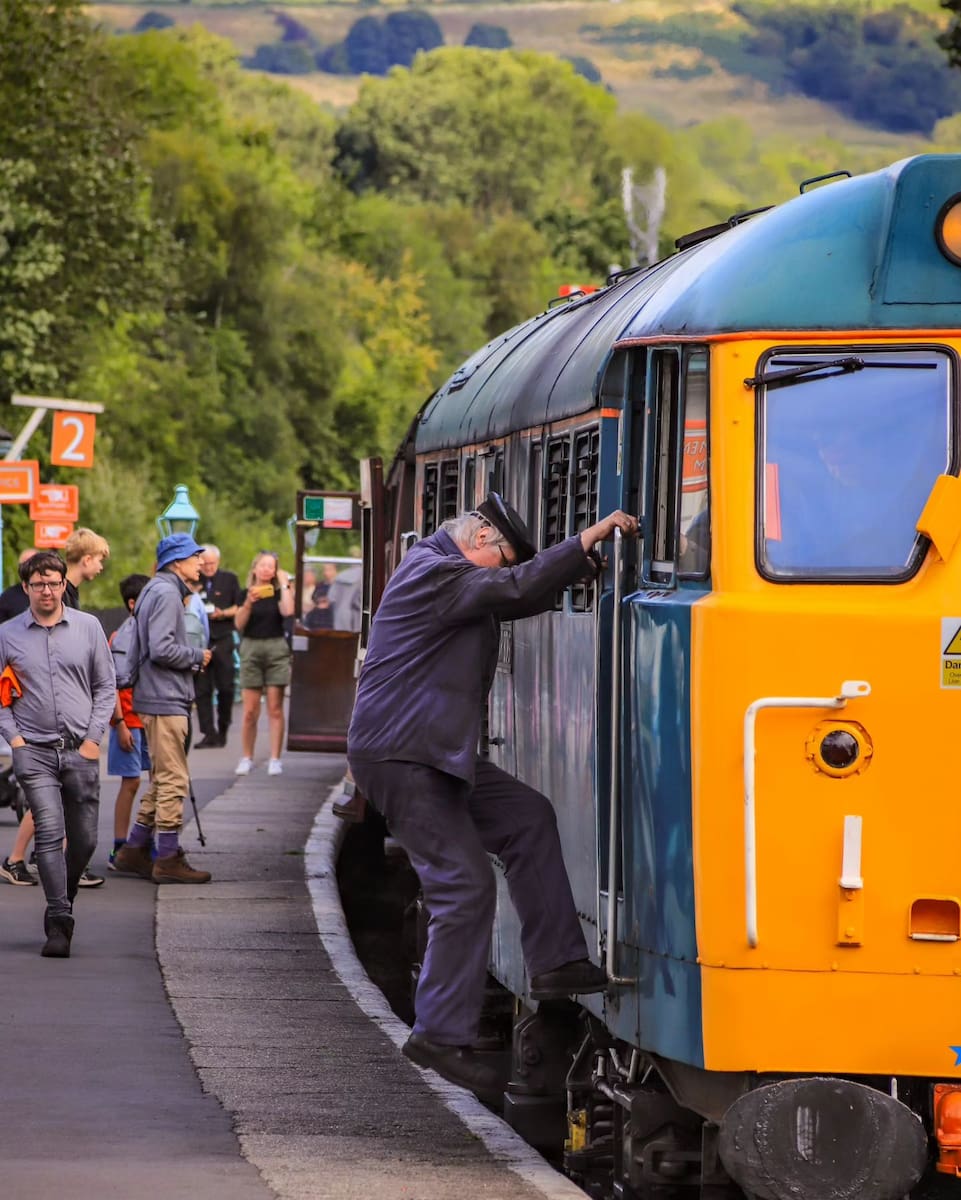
[(412, 749), (220, 592)]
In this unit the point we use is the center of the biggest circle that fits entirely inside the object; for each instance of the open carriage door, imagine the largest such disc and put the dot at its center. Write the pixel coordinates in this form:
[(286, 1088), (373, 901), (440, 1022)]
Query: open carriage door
[(646, 912), (328, 616), (373, 546)]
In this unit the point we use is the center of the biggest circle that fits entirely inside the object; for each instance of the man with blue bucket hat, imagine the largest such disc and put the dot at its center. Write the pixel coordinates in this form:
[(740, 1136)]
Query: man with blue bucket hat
[(163, 691)]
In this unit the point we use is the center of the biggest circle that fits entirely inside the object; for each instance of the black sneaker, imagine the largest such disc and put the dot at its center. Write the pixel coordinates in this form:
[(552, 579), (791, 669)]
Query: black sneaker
[(17, 873), (88, 879)]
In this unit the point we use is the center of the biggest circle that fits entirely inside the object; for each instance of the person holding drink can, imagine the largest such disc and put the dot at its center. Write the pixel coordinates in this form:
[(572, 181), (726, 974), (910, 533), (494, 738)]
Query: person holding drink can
[(264, 656)]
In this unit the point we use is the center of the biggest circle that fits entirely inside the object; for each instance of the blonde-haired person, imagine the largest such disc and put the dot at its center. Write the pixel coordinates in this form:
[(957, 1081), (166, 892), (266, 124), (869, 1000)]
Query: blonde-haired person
[(83, 552), (264, 655)]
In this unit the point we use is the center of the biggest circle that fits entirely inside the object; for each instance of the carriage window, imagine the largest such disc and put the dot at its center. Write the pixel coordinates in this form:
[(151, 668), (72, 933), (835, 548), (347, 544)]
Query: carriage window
[(694, 540), (851, 445), (470, 470), (449, 472), (429, 519), (584, 504)]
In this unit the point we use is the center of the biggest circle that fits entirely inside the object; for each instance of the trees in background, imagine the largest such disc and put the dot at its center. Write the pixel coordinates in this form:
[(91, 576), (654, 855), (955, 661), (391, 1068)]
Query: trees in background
[(260, 293)]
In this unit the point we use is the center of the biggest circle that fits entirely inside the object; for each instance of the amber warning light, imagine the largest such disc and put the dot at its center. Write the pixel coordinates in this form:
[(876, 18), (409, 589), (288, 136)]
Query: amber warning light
[(947, 229)]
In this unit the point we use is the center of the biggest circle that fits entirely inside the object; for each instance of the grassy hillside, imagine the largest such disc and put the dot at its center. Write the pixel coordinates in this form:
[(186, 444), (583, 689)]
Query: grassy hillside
[(678, 84)]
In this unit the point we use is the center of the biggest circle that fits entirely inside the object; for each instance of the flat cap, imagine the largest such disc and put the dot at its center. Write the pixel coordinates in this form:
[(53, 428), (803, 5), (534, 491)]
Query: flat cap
[(506, 520)]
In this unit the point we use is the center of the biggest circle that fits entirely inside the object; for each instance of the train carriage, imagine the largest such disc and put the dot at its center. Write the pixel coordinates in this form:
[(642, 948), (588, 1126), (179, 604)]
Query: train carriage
[(745, 725)]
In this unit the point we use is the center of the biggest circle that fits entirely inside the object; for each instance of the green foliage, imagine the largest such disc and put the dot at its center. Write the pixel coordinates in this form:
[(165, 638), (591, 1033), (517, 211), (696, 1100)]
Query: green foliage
[(153, 20), (488, 37), (282, 58), (77, 238), (372, 46), (879, 67), (584, 67)]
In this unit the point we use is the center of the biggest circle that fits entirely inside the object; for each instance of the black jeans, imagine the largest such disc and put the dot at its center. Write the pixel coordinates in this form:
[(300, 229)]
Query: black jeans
[(63, 791), (218, 677)]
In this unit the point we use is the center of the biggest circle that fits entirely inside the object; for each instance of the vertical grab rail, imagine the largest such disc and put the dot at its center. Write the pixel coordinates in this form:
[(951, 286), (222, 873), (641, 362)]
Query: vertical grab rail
[(613, 859)]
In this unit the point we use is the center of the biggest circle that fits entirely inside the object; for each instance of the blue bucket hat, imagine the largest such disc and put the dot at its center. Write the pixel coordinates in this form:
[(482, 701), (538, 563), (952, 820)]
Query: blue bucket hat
[(175, 548)]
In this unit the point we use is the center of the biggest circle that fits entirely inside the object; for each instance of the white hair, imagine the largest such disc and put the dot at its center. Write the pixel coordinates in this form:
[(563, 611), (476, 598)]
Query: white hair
[(465, 528)]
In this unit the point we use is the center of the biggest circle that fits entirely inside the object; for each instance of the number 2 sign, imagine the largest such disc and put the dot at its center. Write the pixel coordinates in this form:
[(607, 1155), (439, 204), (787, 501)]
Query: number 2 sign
[(73, 435)]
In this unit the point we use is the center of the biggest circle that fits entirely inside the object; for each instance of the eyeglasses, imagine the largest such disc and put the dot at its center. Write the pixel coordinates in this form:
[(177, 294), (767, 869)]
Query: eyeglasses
[(505, 561), (46, 586)]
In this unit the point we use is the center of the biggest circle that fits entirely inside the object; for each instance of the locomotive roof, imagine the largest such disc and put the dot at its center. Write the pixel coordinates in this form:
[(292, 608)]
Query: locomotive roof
[(856, 254)]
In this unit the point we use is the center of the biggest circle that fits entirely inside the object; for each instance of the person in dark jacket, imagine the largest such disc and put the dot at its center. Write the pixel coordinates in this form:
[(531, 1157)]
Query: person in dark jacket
[(412, 749), (162, 695)]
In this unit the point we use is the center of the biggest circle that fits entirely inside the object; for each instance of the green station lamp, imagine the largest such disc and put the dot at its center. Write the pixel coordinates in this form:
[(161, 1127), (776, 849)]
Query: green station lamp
[(179, 516)]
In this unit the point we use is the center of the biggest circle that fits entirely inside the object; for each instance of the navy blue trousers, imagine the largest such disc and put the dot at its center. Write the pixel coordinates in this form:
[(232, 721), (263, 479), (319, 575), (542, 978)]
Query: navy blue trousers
[(448, 829)]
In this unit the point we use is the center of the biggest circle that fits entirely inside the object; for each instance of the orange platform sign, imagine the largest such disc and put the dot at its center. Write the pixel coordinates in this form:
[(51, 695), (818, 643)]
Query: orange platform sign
[(73, 435), (51, 535), (19, 481), (56, 502)]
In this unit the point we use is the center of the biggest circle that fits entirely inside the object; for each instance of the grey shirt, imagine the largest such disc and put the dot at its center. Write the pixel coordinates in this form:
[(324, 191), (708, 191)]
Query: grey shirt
[(66, 670)]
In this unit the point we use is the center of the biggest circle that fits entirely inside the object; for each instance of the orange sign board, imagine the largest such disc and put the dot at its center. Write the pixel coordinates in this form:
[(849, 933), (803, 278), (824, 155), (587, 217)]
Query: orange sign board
[(51, 534), (73, 435), (19, 481), (56, 502)]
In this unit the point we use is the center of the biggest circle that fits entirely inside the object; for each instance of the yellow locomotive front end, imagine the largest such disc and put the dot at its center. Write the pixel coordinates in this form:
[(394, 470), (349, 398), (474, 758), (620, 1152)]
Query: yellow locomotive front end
[(826, 704)]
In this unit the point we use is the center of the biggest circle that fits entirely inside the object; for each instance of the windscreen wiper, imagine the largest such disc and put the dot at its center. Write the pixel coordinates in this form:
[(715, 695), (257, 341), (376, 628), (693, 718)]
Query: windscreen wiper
[(802, 370)]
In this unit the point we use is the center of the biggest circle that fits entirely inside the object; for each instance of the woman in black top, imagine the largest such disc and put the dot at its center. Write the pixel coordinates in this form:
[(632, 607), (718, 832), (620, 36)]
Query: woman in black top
[(264, 655)]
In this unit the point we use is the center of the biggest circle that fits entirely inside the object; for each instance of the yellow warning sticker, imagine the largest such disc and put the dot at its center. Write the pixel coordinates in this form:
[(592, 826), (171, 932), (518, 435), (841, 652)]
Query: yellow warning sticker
[(951, 652)]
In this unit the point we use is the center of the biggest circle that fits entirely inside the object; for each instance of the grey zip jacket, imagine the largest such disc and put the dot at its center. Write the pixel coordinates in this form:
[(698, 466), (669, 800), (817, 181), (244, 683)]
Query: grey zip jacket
[(165, 684)]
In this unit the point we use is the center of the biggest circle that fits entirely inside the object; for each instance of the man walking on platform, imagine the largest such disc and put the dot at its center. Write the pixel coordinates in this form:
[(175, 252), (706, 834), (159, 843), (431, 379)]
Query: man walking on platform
[(63, 698), (412, 748), (220, 591), (162, 695)]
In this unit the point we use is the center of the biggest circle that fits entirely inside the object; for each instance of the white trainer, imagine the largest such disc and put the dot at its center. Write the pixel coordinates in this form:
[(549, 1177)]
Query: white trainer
[(275, 767), (244, 766)]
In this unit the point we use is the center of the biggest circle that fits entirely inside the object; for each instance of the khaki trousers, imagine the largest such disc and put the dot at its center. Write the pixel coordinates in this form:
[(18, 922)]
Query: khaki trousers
[(162, 805)]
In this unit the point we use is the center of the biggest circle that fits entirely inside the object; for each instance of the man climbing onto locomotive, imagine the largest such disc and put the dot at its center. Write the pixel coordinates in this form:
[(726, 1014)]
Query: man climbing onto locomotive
[(412, 749)]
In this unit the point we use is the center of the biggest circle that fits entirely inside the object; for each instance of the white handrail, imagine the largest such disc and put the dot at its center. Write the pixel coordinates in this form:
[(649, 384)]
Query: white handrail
[(613, 858), (849, 690)]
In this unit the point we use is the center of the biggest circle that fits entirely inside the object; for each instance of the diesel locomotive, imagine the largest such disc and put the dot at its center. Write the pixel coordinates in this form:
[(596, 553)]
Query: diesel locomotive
[(745, 722)]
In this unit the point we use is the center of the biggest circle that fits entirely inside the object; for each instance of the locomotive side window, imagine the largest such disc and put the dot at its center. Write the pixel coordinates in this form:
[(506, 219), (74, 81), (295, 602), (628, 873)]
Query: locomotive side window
[(694, 538), (584, 503), (447, 505), (850, 446), (666, 367), (470, 474), (495, 478), (534, 493), (555, 490), (429, 516)]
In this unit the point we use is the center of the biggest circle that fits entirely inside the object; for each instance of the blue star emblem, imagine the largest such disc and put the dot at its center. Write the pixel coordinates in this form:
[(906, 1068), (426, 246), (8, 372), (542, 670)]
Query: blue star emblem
[(957, 1055)]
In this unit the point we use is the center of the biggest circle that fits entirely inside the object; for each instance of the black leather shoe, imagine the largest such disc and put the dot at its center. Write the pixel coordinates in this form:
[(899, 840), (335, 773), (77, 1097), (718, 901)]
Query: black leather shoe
[(208, 741), (580, 978), (457, 1064), (59, 931)]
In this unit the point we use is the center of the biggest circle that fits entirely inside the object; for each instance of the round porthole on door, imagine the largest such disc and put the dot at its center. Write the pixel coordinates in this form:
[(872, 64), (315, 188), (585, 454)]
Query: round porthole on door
[(839, 748)]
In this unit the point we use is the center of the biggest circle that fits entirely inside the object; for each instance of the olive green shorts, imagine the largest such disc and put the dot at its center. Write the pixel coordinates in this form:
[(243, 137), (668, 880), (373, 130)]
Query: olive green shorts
[(264, 662)]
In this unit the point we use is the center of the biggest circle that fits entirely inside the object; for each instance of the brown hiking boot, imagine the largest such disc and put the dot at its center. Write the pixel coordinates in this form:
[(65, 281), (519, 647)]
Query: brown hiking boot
[(133, 860), (175, 869)]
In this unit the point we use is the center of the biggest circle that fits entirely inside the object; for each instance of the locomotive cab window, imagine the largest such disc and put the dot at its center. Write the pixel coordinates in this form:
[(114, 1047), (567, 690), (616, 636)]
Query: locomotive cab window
[(677, 433), (851, 443)]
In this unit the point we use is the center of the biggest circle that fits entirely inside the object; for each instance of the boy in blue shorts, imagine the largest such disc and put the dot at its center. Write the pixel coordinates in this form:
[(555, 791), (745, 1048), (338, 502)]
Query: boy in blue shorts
[(127, 754)]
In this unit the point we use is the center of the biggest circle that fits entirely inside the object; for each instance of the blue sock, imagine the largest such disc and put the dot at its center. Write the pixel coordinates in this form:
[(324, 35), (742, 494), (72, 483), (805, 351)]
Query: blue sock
[(167, 844), (139, 836)]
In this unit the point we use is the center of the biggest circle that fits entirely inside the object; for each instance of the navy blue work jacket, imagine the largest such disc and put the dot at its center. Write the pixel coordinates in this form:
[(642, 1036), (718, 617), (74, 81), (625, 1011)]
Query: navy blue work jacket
[(433, 650)]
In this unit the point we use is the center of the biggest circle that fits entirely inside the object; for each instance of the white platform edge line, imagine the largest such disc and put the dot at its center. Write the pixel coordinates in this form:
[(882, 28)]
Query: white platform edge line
[(504, 1145)]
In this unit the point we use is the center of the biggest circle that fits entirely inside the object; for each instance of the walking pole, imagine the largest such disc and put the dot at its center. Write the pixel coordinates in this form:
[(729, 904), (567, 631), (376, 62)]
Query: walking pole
[(193, 801)]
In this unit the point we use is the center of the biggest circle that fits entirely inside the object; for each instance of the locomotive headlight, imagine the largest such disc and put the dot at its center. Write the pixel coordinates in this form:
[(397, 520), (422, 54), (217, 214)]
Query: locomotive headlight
[(839, 748), (947, 229)]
